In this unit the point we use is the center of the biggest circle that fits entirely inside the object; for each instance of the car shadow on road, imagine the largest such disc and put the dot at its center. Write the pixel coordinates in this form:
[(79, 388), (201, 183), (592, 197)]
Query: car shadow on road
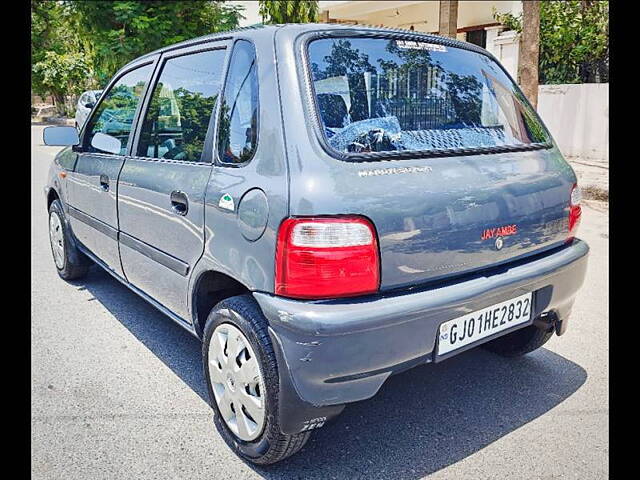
[(173, 345), (420, 421)]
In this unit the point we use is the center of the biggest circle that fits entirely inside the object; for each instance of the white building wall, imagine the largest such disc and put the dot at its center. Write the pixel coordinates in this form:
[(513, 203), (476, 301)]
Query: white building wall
[(472, 12), (578, 118), (505, 46)]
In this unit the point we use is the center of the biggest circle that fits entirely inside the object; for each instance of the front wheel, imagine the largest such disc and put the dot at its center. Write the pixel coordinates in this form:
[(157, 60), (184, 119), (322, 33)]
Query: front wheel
[(243, 383), (70, 262)]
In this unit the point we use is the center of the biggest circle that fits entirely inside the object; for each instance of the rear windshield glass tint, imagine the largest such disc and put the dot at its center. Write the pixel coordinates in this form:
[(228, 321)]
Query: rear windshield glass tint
[(379, 95)]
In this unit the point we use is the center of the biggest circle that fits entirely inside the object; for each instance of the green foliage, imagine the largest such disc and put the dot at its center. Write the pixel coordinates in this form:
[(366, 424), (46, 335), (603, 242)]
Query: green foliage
[(123, 30), (66, 71), (293, 11), (509, 20), (574, 40), (61, 74), (96, 38), (59, 62)]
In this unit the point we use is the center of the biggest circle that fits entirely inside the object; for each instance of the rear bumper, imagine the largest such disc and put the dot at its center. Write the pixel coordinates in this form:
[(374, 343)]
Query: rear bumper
[(340, 351)]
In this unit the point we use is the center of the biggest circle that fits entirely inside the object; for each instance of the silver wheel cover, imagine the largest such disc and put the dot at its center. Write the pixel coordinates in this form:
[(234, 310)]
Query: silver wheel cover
[(237, 382), (56, 237)]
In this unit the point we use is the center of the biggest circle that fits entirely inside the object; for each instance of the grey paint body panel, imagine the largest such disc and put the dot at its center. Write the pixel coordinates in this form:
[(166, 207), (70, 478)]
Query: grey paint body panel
[(146, 215), (253, 214), (152, 253), (89, 221), (227, 250), (88, 197)]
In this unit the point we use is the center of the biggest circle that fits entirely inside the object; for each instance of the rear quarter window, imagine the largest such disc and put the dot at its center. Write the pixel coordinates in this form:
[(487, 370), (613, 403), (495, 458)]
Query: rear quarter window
[(238, 126), (393, 95)]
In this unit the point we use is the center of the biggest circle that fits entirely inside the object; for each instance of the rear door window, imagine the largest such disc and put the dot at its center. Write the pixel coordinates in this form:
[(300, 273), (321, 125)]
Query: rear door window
[(392, 95), (116, 112), (238, 129), (177, 119)]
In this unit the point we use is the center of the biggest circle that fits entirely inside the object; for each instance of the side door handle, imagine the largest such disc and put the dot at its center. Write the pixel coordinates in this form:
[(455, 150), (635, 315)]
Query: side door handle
[(179, 202), (104, 182)]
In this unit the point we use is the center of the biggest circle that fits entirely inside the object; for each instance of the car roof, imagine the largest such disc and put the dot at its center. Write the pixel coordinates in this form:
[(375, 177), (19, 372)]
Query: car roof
[(206, 38), (311, 27)]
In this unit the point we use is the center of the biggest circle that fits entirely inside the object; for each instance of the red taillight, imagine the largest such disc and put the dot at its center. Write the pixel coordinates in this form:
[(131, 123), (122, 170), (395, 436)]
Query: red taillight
[(327, 257), (575, 211)]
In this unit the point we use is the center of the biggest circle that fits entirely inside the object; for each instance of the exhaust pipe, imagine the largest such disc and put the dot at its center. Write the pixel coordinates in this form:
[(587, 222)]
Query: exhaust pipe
[(549, 321)]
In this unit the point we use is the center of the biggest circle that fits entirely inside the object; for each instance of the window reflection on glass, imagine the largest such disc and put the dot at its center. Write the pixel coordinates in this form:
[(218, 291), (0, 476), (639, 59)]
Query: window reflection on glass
[(377, 95), (176, 122), (238, 132), (115, 113)]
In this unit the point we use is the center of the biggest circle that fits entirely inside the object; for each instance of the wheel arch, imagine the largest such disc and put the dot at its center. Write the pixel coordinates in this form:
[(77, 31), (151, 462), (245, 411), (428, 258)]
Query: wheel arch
[(210, 288), (52, 195)]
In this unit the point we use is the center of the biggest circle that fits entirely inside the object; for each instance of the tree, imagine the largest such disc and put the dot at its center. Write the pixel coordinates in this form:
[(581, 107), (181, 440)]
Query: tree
[(529, 50), (574, 40), (77, 45), (59, 62), (293, 11), (62, 74), (123, 30)]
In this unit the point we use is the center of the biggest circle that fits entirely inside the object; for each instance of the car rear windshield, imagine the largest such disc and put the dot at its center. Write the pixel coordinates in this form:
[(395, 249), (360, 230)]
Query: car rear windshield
[(391, 95)]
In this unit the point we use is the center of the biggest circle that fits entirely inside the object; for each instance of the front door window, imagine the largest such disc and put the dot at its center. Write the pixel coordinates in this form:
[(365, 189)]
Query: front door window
[(116, 112)]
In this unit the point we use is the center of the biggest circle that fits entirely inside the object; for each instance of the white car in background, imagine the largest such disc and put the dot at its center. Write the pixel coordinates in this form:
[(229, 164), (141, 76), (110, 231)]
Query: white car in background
[(85, 103)]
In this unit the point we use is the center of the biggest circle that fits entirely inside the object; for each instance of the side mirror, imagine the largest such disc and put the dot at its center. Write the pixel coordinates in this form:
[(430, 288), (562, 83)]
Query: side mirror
[(89, 105), (106, 143), (60, 136)]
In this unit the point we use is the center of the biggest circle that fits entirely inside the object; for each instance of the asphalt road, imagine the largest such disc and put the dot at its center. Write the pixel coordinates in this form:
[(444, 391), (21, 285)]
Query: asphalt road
[(118, 392)]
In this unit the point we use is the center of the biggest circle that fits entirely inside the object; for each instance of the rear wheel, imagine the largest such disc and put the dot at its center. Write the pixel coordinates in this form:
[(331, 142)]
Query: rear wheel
[(70, 262), (520, 342), (243, 383)]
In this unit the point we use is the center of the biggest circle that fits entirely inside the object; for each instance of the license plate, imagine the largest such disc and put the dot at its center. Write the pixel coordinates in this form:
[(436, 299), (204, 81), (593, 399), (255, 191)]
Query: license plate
[(475, 326)]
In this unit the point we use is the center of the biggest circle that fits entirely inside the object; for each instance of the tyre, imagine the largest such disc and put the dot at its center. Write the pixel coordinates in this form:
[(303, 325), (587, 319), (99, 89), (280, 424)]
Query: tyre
[(243, 384), (520, 342), (70, 262)]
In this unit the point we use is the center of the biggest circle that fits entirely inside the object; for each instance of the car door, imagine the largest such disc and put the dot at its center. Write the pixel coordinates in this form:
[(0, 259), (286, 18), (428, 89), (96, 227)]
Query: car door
[(93, 182), (162, 185)]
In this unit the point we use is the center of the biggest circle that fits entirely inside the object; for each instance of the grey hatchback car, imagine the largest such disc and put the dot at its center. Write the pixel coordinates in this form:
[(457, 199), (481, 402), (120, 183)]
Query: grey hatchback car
[(323, 206)]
